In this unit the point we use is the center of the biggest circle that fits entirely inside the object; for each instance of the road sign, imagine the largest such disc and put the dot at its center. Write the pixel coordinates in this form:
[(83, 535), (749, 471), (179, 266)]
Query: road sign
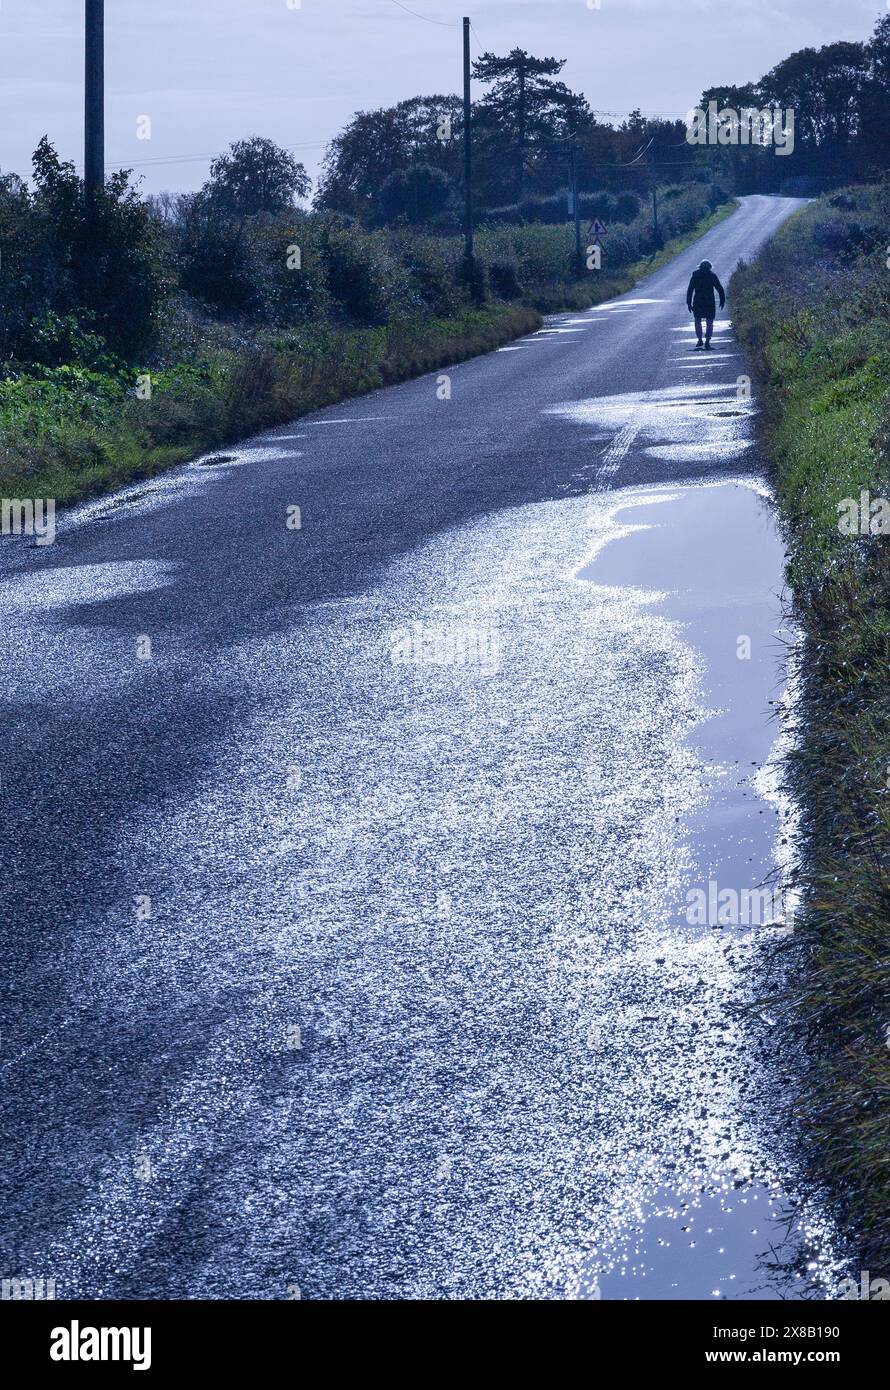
[(596, 229)]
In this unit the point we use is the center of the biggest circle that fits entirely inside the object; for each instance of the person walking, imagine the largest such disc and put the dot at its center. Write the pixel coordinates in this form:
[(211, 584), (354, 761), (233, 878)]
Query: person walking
[(701, 303)]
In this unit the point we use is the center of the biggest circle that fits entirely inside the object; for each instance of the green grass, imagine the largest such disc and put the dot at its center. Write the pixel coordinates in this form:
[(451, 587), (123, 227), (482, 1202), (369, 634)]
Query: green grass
[(72, 434), (813, 313)]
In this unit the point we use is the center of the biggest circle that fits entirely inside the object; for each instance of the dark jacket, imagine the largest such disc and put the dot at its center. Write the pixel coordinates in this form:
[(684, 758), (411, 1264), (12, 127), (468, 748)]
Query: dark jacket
[(700, 295)]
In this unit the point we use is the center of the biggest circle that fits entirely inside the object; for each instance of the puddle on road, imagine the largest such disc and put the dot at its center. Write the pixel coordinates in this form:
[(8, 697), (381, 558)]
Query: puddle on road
[(727, 1224), (730, 1242)]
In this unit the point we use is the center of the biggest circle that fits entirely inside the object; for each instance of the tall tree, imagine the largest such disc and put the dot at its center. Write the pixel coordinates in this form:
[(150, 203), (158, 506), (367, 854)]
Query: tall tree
[(824, 88), (875, 102), (422, 131), (745, 168), (255, 176), (526, 107)]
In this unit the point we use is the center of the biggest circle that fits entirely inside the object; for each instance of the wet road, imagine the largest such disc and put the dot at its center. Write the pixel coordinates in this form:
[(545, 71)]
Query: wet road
[(345, 864)]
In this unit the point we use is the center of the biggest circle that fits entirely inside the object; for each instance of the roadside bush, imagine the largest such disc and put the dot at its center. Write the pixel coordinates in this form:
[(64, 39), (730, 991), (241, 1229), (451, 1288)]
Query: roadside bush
[(846, 238), (434, 267), (104, 265), (543, 254), (219, 264), (503, 277), (608, 207), (627, 207), (364, 278), (549, 209), (415, 195), (296, 282), (681, 207), (54, 341)]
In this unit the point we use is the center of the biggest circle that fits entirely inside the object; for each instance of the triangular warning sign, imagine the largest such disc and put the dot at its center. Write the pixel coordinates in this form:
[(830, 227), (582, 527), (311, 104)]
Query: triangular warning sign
[(596, 228)]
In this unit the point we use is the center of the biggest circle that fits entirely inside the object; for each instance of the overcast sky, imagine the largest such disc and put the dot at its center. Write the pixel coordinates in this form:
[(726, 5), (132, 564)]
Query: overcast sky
[(211, 71)]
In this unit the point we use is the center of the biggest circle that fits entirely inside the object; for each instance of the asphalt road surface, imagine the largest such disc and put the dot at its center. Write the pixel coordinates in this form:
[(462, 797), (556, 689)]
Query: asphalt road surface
[(336, 855)]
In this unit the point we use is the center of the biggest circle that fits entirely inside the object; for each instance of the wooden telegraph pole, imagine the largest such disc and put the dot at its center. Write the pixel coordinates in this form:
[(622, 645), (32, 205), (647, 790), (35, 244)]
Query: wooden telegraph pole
[(579, 258), (94, 99), (468, 155)]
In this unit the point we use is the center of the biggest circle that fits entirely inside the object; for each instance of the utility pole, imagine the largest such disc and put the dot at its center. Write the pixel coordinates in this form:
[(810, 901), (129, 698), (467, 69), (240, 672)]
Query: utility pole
[(654, 176), (468, 155), (575, 208), (94, 99)]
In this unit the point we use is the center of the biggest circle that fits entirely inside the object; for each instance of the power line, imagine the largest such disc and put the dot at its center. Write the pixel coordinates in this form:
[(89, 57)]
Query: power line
[(445, 23), (597, 111), (196, 158), (637, 157)]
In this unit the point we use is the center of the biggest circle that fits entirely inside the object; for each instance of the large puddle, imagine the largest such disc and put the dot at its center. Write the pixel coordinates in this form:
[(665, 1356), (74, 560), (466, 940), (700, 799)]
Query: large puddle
[(734, 1223)]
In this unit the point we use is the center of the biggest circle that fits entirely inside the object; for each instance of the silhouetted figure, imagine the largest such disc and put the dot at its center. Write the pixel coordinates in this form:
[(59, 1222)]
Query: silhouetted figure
[(700, 300)]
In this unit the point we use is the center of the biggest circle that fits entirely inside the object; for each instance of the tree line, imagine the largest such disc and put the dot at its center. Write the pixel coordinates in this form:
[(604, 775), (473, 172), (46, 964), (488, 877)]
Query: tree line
[(394, 163)]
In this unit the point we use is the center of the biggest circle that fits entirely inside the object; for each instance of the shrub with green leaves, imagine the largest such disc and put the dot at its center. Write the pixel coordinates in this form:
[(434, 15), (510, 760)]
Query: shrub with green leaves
[(103, 264), (365, 278)]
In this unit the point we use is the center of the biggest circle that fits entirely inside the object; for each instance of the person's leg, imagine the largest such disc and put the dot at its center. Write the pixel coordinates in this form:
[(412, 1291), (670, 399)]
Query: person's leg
[(709, 329), (698, 329)]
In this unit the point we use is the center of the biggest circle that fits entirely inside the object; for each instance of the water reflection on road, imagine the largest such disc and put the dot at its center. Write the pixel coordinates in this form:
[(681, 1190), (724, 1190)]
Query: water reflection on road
[(730, 1220)]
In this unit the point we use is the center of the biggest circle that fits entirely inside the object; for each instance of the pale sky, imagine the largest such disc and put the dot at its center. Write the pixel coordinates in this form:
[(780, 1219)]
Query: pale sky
[(207, 72)]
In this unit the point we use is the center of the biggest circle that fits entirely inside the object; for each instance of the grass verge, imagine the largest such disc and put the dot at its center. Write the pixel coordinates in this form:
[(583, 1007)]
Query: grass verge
[(72, 433), (812, 311)]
